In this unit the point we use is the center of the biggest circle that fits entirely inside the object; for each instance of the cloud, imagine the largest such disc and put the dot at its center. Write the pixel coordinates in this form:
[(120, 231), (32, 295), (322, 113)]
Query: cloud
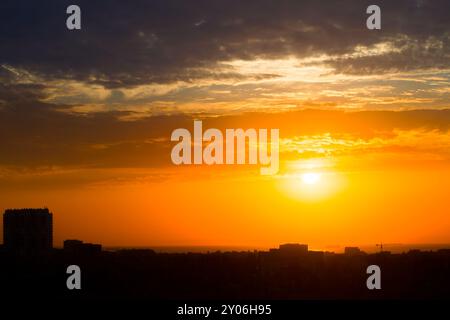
[(165, 41), (403, 54), (109, 95), (34, 133)]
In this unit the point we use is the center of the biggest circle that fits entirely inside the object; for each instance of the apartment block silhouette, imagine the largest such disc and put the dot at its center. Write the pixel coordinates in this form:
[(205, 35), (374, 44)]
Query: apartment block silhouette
[(28, 231)]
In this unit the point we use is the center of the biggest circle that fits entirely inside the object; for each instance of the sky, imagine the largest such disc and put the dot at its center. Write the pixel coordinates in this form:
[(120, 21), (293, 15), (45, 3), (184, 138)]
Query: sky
[(364, 119)]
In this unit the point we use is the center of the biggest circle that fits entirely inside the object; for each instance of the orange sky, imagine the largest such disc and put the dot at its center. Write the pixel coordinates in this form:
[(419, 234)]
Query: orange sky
[(374, 185), (363, 116)]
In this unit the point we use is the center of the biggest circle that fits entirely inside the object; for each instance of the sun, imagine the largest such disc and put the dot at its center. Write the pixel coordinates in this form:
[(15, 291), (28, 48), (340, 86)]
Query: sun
[(312, 185), (310, 178)]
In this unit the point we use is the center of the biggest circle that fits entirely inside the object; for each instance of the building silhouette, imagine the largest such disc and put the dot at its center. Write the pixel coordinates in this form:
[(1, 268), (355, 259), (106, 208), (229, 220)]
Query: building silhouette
[(78, 247), (353, 251), (296, 248), (28, 231)]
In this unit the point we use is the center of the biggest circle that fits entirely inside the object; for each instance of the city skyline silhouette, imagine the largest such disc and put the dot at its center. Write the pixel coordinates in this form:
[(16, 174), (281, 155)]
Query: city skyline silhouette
[(291, 271)]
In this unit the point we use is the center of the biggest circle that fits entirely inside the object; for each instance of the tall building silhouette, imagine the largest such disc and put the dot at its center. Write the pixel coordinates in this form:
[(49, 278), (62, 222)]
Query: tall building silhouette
[(28, 231)]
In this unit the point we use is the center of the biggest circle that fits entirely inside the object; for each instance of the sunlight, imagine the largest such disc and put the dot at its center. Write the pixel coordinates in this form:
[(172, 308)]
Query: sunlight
[(313, 186), (310, 178)]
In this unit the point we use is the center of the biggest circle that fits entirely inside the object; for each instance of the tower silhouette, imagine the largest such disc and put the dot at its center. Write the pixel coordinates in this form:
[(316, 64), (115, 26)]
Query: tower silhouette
[(28, 231)]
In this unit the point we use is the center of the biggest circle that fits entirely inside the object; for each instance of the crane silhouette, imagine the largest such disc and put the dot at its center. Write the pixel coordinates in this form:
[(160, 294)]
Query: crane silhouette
[(380, 245)]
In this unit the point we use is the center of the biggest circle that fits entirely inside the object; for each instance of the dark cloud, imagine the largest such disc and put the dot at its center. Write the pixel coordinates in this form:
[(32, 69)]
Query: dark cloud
[(412, 54), (123, 44)]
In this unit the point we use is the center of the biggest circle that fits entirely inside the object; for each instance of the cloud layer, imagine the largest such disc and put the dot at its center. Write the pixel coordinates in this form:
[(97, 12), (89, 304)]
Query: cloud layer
[(110, 94), (122, 45)]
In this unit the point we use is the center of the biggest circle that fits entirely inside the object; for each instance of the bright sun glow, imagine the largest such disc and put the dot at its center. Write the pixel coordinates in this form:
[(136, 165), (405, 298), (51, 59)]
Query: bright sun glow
[(310, 177), (312, 185)]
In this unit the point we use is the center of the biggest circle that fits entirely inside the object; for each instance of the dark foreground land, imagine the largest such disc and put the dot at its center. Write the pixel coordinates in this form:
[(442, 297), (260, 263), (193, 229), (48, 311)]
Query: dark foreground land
[(145, 274)]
